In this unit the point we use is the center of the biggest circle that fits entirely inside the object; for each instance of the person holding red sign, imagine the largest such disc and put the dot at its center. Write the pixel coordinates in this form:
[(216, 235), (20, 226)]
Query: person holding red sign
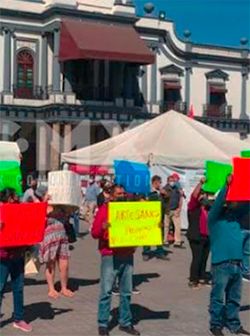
[(227, 252), (12, 263)]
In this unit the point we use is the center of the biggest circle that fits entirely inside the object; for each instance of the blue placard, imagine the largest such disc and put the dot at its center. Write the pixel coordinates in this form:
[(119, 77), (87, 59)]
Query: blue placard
[(133, 176)]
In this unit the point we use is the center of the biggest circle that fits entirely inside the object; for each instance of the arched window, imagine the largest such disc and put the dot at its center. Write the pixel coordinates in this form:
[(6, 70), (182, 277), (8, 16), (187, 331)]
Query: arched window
[(25, 74)]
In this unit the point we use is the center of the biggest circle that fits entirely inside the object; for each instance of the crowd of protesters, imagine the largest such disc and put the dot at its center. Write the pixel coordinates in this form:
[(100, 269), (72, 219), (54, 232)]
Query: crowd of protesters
[(215, 226)]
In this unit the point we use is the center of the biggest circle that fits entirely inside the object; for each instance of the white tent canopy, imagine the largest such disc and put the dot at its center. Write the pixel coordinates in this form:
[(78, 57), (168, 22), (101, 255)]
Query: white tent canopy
[(9, 151), (170, 139)]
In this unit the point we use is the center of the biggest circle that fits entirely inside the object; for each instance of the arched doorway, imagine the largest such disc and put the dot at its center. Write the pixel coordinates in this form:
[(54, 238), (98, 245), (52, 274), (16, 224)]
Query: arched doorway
[(25, 74)]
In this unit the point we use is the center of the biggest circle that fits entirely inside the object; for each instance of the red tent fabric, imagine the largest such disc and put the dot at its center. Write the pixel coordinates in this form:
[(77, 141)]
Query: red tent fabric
[(89, 170)]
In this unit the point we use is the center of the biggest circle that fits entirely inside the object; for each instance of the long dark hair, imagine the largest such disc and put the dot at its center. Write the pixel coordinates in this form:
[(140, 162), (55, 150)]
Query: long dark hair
[(6, 194)]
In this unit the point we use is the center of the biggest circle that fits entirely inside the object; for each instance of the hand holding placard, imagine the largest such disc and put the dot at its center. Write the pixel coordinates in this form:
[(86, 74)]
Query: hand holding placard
[(216, 174), (134, 224)]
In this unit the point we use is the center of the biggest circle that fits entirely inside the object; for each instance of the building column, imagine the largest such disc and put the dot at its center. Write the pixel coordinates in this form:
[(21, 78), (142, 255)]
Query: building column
[(44, 73), (55, 147), (106, 78), (7, 62), (96, 79), (116, 130), (243, 114), (187, 85), (118, 75), (67, 138), (154, 107), (144, 83), (56, 65), (5, 130), (128, 86), (41, 144)]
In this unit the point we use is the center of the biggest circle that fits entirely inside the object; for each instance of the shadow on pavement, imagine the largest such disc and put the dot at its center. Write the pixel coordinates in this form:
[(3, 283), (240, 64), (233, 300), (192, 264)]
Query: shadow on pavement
[(144, 277), (139, 313), (75, 283), (41, 310), (244, 308)]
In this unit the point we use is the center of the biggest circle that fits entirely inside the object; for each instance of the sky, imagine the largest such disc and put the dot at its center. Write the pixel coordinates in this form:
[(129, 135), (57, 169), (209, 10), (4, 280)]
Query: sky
[(218, 22)]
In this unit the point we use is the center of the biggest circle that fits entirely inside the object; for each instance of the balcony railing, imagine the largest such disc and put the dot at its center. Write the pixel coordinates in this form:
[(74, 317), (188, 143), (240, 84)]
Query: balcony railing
[(89, 92), (179, 106), (37, 92), (217, 111)]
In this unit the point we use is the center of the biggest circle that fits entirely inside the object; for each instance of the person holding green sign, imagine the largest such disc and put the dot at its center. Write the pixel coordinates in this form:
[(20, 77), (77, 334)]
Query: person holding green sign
[(115, 262)]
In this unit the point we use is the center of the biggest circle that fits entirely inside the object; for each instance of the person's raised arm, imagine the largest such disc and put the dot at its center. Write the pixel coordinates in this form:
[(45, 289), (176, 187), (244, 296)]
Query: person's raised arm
[(215, 211), (197, 190)]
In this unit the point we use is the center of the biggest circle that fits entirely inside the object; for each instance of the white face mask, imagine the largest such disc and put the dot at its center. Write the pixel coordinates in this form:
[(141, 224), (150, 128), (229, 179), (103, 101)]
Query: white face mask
[(172, 184)]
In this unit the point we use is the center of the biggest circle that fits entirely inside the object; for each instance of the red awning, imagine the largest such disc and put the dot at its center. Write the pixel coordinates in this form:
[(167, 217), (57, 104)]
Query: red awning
[(89, 170), (217, 89), (172, 85), (113, 42)]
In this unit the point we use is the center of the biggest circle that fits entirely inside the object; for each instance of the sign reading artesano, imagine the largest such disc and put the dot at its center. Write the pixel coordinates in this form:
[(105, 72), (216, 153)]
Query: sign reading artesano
[(134, 224)]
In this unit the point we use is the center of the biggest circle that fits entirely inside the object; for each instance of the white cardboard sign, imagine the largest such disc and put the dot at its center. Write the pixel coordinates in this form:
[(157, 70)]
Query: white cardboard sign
[(64, 187)]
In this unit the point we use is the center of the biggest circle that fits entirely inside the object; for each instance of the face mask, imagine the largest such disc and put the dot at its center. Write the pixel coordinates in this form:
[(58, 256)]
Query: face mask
[(172, 184)]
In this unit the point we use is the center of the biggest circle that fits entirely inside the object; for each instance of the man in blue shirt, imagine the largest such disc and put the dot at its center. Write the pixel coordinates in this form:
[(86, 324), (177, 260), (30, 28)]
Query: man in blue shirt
[(227, 251)]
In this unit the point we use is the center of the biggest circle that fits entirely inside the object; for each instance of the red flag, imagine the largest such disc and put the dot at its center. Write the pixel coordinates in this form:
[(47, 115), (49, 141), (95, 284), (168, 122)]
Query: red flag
[(191, 112)]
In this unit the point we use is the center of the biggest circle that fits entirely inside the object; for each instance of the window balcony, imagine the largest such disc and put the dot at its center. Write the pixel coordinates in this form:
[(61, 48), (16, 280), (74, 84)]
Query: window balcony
[(178, 106), (217, 111), (37, 92)]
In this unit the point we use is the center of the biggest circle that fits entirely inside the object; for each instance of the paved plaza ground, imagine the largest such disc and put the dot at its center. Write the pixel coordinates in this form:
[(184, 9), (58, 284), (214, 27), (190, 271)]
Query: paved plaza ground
[(165, 307)]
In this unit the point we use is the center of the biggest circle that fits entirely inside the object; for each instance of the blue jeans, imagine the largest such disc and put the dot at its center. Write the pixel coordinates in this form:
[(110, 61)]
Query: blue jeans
[(246, 253), (112, 267), (14, 268), (76, 223), (226, 296)]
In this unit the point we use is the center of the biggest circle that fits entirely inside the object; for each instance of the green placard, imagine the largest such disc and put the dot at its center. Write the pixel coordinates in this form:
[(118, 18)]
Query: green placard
[(216, 174), (11, 176), (245, 153)]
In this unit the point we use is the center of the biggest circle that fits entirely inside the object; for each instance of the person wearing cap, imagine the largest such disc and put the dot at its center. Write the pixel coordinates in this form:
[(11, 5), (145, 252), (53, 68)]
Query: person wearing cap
[(173, 203)]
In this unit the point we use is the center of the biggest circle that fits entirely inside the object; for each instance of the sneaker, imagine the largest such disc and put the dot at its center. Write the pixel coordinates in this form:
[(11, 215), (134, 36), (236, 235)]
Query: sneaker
[(194, 285), (22, 325), (162, 256), (103, 331), (116, 291), (205, 282), (179, 245), (136, 291), (241, 331), (216, 331), (246, 278), (130, 330)]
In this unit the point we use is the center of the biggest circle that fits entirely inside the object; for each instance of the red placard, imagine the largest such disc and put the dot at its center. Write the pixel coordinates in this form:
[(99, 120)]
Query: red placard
[(239, 189), (22, 224)]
